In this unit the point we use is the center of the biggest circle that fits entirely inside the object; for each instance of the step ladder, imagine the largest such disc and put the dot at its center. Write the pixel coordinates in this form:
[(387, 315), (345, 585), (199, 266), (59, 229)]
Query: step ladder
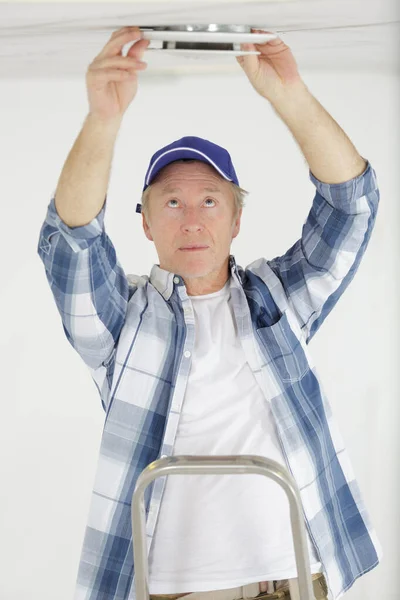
[(218, 465)]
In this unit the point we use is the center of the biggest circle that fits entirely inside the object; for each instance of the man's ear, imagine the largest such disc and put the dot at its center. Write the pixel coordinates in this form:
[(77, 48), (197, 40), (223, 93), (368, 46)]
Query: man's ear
[(146, 228), (236, 228)]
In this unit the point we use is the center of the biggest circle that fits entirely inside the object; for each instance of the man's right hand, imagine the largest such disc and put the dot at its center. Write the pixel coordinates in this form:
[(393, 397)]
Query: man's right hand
[(111, 79)]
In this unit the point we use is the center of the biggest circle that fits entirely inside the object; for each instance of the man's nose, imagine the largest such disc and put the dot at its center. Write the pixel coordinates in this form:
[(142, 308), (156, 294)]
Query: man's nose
[(191, 217)]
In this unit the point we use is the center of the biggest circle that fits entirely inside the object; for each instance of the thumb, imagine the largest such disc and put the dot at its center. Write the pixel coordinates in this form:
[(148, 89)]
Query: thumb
[(248, 62)]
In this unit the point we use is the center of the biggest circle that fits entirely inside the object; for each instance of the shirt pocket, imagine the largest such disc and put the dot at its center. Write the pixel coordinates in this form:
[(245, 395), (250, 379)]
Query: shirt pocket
[(283, 350)]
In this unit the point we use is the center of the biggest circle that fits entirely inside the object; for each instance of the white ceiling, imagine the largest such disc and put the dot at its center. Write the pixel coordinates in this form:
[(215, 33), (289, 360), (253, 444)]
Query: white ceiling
[(50, 39)]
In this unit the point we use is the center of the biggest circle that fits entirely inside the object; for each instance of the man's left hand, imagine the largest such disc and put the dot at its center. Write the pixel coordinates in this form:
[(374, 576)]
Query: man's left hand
[(272, 71)]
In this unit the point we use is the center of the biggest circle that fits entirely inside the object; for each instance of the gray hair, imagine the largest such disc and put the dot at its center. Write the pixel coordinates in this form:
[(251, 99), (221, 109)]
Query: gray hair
[(237, 192)]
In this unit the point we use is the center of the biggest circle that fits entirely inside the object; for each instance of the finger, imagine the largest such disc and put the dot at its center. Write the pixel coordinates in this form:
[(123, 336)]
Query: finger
[(273, 42), (118, 41), (263, 31), (118, 62), (260, 31), (138, 48), (248, 47), (120, 30), (107, 75), (249, 62)]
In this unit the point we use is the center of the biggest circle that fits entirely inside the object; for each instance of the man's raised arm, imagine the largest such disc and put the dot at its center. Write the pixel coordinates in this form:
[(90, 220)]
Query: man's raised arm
[(331, 156), (318, 268)]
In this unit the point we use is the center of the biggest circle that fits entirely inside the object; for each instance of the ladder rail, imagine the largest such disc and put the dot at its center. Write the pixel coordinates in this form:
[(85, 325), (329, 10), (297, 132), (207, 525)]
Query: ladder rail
[(218, 465)]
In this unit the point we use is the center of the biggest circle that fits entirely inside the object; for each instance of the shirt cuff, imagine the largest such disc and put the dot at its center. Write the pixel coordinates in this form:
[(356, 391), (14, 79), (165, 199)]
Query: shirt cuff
[(344, 195), (81, 237)]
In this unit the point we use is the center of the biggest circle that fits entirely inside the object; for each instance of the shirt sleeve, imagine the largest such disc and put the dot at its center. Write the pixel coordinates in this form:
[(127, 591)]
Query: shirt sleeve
[(317, 269), (89, 285)]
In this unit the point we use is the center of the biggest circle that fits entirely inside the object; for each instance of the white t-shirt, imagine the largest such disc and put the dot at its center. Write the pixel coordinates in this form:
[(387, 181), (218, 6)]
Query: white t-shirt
[(221, 531)]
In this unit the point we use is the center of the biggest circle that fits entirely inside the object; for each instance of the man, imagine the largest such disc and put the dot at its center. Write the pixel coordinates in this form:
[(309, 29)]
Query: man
[(203, 357)]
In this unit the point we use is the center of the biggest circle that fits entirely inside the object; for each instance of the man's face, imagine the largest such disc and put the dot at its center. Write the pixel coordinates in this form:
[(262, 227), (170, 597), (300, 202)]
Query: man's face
[(183, 212)]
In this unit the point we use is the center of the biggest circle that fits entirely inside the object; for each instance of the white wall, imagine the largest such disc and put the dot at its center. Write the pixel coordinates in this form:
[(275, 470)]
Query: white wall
[(52, 417)]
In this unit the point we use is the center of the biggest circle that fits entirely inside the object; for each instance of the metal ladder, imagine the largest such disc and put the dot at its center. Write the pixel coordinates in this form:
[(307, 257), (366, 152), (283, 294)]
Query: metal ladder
[(218, 465)]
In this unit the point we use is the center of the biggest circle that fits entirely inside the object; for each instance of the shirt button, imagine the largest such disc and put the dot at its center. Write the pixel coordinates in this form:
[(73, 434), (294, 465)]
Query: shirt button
[(176, 279), (187, 353), (187, 311)]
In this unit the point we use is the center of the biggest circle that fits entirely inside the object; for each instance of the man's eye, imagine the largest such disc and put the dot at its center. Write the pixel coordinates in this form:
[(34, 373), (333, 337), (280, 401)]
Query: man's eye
[(174, 200)]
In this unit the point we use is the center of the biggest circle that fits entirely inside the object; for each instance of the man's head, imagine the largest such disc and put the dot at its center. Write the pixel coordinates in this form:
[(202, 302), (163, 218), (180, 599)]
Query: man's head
[(189, 202)]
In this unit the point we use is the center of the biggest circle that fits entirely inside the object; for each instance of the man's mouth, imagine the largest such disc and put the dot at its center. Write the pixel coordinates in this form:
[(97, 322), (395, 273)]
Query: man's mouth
[(193, 248)]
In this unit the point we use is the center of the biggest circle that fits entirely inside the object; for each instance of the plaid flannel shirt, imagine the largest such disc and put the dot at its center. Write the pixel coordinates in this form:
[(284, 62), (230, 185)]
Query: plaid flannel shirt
[(136, 334)]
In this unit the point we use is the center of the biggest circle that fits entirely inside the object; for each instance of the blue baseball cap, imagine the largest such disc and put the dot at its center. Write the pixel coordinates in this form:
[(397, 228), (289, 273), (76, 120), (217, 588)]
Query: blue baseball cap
[(191, 147)]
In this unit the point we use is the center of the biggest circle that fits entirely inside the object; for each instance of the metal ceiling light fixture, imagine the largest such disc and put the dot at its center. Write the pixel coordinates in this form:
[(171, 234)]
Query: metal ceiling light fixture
[(203, 41)]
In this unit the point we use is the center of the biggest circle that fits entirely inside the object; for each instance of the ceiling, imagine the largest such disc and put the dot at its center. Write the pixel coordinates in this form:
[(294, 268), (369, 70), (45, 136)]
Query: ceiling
[(60, 39)]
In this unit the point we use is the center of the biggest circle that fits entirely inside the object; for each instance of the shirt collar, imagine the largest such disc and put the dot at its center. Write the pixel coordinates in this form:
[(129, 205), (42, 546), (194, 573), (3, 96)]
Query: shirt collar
[(164, 280)]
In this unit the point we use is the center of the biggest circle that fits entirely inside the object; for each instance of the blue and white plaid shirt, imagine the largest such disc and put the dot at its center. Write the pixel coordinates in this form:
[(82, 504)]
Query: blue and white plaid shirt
[(136, 335)]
